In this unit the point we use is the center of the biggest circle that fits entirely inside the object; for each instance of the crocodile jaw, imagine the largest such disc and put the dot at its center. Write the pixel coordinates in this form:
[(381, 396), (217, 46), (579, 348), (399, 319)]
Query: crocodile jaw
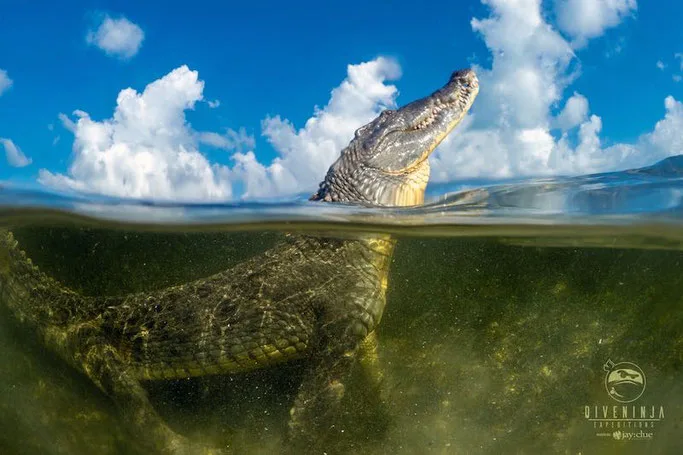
[(386, 162)]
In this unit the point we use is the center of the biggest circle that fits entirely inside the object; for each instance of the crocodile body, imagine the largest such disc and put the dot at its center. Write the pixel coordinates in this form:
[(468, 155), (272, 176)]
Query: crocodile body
[(261, 312), (314, 297)]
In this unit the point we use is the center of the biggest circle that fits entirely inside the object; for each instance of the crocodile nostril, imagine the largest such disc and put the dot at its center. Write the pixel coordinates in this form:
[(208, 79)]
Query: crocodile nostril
[(465, 76)]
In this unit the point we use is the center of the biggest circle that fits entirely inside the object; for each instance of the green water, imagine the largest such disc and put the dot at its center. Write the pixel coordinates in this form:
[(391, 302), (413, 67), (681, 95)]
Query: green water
[(489, 344)]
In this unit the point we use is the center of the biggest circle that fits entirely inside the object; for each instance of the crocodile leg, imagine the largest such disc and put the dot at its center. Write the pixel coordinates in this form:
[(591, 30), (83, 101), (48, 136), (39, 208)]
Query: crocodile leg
[(104, 366), (378, 417), (368, 358), (317, 408), (316, 405)]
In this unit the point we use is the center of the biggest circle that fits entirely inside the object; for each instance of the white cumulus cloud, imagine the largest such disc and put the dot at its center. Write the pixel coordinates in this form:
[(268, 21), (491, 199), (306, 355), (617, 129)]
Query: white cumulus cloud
[(146, 149), (230, 140), (586, 19), (510, 134), (15, 157), (5, 81), (666, 138), (117, 37), (574, 113)]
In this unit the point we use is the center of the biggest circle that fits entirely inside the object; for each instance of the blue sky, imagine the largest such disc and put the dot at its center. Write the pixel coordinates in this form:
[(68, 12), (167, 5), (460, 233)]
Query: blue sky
[(266, 59)]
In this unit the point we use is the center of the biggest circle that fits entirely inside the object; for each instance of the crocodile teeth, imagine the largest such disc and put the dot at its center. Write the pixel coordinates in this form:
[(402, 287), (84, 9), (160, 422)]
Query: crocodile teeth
[(438, 107)]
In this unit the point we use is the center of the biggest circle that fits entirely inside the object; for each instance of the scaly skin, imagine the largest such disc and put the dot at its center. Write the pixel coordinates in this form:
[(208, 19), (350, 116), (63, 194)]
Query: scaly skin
[(314, 297)]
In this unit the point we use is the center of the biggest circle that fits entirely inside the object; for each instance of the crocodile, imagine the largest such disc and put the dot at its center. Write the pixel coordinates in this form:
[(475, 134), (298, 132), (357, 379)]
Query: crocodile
[(312, 297)]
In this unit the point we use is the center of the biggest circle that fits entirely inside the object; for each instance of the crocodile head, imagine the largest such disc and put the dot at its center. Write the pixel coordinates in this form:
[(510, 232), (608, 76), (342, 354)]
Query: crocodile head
[(386, 162)]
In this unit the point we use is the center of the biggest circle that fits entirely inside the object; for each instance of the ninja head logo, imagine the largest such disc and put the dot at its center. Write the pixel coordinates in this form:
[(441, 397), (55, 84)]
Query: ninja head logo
[(624, 381)]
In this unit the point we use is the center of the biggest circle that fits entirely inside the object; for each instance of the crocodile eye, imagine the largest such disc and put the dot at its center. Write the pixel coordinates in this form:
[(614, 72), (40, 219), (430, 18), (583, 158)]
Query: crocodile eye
[(360, 131)]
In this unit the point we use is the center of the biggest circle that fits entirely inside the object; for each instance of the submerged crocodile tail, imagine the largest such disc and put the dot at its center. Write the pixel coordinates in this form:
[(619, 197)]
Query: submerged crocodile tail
[(36, 299)]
